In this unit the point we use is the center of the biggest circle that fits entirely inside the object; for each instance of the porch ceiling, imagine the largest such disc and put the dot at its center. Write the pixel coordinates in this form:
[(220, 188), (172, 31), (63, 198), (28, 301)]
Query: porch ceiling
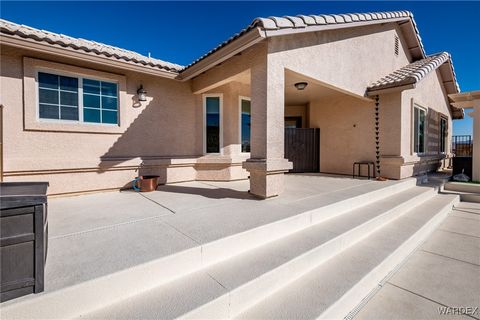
[(315, 90)]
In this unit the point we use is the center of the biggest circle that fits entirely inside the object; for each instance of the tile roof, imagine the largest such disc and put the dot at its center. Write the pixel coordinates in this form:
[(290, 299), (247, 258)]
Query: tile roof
[(413, 73), (88, 46), (303, 21), (306, 21)]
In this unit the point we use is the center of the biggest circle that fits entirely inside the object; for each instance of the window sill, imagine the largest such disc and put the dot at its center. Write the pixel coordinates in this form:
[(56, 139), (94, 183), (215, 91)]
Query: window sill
[(61, 126)]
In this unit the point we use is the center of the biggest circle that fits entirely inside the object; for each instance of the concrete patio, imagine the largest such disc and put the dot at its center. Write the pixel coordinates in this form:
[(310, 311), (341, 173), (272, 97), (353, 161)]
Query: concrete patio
[(443, 275), (94, 235)]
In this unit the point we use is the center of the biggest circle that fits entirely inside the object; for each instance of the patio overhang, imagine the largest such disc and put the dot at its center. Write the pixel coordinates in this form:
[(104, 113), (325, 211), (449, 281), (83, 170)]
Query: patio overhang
[(315, 90), (469, 100)]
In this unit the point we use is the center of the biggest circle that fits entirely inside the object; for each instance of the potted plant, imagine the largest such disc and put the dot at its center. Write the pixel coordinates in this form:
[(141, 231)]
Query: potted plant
[(145, 183)]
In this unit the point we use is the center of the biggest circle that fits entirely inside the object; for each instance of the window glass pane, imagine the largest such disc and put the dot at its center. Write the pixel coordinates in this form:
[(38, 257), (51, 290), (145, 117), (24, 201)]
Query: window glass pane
[(213, 124), (68, 83), (246, 117), (109, 103), (69, 113), (421, 130), (48, 111), (109, 116), (48, 96), (90, 101), (91, 115), (419, 122), (109, 89), (68, 98), (47, 80), (91, 86), (443, 135)]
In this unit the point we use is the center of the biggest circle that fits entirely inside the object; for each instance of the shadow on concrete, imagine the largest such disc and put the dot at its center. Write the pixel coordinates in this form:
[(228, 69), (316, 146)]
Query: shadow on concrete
[(212, 193)]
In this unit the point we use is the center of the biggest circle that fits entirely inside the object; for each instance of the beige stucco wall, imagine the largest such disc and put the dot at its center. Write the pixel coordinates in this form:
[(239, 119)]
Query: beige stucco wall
[(227, 165), (76, 157), (348, 59), (347, 132), (429, 94), (398, 158)]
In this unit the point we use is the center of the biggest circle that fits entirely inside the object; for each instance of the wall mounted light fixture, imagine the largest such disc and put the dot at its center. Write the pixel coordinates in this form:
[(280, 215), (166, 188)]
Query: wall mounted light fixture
[(142, 94), (301, 85)]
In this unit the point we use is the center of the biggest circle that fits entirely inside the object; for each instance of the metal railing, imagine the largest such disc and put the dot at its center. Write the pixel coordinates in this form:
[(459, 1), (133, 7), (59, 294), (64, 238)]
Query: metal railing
[(462, 146)]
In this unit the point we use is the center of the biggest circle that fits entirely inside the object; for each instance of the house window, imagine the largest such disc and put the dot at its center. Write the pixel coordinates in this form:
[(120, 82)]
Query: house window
[(212, 106), (100, 103), (419, 130), (57, 97), (443, 135), (245, 124), (77, 99)]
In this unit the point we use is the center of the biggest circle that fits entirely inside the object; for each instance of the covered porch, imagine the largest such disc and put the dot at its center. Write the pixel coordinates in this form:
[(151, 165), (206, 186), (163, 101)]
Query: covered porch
[(255, 98)]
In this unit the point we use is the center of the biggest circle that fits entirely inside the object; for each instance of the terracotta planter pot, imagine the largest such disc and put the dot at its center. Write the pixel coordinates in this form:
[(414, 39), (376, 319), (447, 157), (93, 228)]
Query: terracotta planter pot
[(148, 183)]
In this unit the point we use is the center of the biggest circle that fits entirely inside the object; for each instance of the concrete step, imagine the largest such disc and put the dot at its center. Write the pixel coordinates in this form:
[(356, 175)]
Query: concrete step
[(462, 187), (337, 289), (229, 287), (92, 294), (465, 196), (468, 192)]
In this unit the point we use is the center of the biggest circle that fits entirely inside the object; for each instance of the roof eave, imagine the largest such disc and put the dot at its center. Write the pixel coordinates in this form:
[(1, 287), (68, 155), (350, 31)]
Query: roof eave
[(416, 48), (259, 33), (390, 89), (323, 27), (238, 45), (31, 44)]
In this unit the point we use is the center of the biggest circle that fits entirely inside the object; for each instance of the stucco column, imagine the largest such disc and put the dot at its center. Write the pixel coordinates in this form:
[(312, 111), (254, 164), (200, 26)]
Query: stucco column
[(267, 164), (476, 141)]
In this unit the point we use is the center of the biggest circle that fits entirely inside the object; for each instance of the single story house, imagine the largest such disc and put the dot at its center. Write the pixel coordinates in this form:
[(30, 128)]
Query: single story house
[(86, 116)]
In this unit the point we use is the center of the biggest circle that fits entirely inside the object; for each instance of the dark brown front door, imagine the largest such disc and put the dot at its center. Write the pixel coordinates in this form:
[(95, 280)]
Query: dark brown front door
[(302, 147)]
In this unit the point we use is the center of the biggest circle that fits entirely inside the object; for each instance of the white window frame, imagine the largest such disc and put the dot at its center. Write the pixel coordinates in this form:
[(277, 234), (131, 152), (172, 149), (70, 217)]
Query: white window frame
[(204, 138), (240, 98), (417, 106), (80, 78)]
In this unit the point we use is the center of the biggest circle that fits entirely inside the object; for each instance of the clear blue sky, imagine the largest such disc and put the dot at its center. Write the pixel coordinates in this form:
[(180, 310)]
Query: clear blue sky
[(180, 32)]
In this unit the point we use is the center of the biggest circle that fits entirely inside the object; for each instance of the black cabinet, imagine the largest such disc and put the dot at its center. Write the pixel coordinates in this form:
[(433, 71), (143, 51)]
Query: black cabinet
[(23, 238)]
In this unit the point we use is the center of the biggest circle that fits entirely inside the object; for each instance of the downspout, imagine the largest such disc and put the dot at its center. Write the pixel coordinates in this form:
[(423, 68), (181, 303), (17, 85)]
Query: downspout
[(377, 136)]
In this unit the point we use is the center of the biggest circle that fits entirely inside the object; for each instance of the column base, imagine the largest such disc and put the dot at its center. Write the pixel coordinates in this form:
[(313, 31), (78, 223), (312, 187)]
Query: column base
[(267, 176)]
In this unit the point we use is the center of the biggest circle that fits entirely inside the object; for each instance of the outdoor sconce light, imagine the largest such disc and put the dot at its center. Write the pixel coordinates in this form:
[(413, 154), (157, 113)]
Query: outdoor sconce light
[(301, 85), (142, 94)]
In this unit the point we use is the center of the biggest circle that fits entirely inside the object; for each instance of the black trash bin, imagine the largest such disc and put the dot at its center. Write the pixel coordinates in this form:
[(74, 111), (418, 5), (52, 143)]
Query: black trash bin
[(23, 238)]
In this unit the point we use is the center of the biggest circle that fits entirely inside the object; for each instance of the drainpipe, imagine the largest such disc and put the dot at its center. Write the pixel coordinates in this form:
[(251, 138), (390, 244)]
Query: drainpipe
[(377, 136)]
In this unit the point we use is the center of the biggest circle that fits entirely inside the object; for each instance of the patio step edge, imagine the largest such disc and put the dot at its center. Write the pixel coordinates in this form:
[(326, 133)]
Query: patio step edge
[(250, 293), (222, 249), (345, 306)]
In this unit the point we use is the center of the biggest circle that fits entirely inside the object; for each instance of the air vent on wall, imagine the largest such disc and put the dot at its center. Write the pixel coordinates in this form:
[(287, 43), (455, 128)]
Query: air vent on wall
[(396, 45)]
